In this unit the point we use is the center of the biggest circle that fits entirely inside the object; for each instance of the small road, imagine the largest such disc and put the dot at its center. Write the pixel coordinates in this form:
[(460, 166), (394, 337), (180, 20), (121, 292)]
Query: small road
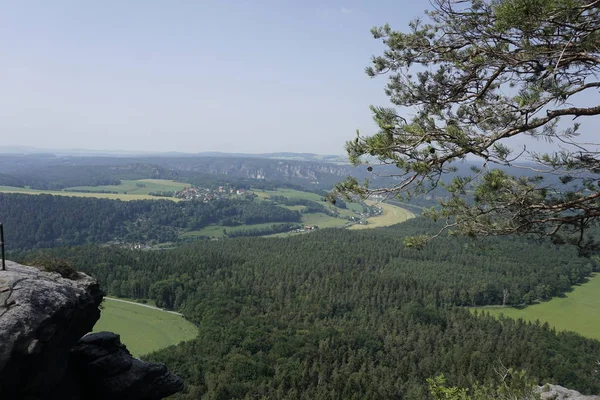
[(142, 305)]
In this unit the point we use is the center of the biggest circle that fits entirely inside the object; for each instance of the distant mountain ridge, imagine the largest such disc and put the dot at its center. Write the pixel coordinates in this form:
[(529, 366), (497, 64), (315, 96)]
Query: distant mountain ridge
[(301, 169), (276, 167), (30, 150)]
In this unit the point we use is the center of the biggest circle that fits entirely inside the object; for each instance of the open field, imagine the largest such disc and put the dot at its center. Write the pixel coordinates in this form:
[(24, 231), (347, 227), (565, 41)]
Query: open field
[(128, 186), (294, 208), (289, 193), (354, 206), (131, 186), (124, 197), (577, 311), (143, 329), (217, 230), (322, 220), (346, 212), (391, 215)]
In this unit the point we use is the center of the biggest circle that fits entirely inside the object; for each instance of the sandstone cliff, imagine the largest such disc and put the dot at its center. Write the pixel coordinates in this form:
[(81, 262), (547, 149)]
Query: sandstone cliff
[(556, 392), (45, 355)]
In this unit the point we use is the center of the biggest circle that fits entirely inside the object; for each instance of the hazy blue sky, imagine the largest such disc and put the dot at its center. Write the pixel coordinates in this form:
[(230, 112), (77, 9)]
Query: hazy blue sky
[(243, 76), (194, 75)]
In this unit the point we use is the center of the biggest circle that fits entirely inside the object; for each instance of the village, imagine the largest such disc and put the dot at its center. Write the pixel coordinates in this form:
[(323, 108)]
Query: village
[(208, 194)]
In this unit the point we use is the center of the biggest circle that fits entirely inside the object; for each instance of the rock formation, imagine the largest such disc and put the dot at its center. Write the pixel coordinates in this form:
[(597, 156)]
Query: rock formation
[(43, 351), (556, 392), (106, 370)]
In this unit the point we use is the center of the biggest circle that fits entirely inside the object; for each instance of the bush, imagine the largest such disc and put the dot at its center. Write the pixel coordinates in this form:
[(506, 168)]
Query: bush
[(58, 265)]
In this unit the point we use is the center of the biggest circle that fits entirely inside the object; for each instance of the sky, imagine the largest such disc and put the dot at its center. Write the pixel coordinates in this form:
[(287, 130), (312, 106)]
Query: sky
[(192, 76)]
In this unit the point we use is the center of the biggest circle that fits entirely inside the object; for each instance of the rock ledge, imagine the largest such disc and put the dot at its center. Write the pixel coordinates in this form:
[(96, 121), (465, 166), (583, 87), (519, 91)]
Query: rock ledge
[(45, 355)]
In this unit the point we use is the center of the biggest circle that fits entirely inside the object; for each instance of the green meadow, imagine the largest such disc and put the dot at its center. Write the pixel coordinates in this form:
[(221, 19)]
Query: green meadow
[(217, 230), (323, 220), (578, 311), (127, 190), (289, 193), (143, 329), (141, 186), (111, 196)]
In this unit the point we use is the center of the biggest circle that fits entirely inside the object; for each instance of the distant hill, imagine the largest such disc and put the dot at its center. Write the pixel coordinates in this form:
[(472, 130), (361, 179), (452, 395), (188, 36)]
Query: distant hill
[(30, 150), (55, 171), (273, 168)]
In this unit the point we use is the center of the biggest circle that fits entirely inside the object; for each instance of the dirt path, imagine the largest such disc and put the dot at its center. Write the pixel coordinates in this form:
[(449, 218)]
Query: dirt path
[(142, 305)]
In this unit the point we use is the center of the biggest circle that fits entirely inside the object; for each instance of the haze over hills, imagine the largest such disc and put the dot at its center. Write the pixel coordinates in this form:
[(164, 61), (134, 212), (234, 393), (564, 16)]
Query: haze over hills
[(27, 150), (35, 168), (295, 168)]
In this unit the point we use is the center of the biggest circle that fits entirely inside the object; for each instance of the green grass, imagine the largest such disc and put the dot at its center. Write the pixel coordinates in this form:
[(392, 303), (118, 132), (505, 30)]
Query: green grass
[(346, 212), (354, 206), (289, 193), (391, 215), (142, 329), (577, 311), (322, 220), (133, 192), (294, 208), (217, 230), (124, 197), (130, 186)]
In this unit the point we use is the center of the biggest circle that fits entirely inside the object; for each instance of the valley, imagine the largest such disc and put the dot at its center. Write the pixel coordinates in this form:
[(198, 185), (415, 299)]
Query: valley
[(272, 293), (444, 244)]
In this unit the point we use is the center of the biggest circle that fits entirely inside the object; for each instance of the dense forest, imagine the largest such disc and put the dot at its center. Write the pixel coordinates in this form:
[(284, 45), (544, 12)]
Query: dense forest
[(47, 221), (350, 314)]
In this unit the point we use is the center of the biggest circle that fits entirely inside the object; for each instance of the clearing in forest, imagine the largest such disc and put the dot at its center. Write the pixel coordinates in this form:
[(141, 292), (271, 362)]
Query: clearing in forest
[(143, 329), (140, 186), (577, 311), (127, 190)]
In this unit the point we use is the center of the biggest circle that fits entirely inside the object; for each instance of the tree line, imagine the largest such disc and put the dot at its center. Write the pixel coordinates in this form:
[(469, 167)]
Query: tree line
[(47, 221)]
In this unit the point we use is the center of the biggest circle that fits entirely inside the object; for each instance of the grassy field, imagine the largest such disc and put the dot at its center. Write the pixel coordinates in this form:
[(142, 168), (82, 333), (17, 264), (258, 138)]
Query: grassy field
[(354, 206), (322, 220), (143, 329), (128, 186), (124, 197), (289, 193), (391, 215), (217, 230), (131, 186), (577, 311)]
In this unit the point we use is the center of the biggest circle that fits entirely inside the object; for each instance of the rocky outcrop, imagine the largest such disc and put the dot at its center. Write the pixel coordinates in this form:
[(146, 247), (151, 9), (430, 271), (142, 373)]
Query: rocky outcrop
[(106, 370), (43, 351), (42, 316), (556, 392)]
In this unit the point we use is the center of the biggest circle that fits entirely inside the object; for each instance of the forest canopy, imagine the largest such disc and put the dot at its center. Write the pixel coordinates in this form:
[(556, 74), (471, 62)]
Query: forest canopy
[(351, 314)]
